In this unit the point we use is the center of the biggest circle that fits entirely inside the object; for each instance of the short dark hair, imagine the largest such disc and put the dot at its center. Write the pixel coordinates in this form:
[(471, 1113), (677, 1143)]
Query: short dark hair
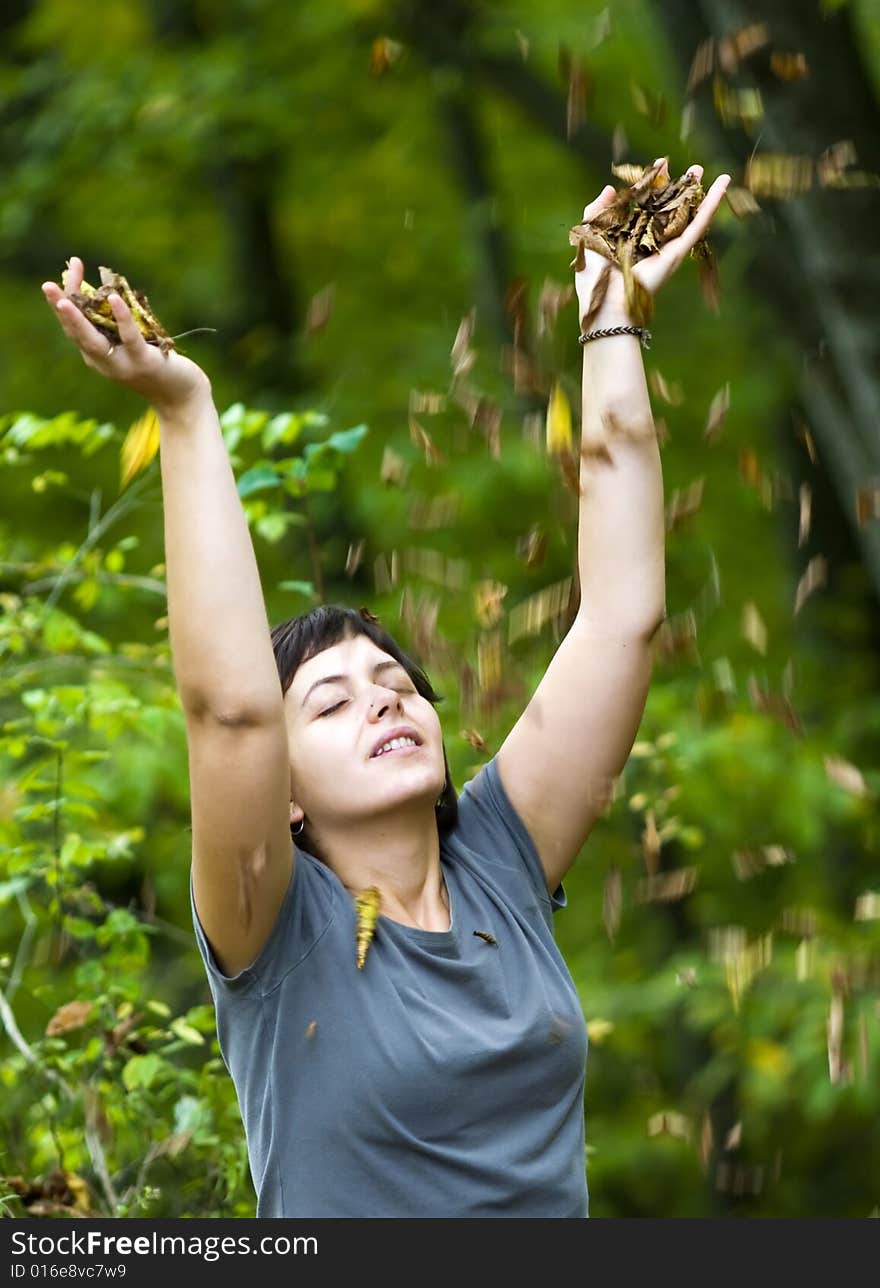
[(302, 637)]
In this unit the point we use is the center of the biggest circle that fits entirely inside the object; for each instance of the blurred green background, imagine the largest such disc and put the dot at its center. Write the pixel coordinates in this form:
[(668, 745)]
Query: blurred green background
[(335, 189)]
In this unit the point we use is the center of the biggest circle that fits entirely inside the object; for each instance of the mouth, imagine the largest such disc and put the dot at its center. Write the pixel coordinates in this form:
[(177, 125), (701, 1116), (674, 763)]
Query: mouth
[(411, 744)]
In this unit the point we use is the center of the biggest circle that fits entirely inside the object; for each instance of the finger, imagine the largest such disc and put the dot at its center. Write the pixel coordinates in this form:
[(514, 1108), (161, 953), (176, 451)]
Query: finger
[(75, 273), (78, 328), (605, 198), (699, 224), (129, 332)]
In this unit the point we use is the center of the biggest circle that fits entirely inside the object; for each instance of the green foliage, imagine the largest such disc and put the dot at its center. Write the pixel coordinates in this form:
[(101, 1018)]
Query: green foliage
[(108, 1083)]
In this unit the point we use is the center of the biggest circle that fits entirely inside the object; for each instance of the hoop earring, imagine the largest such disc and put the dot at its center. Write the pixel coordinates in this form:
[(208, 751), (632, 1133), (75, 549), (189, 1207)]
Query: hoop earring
[(295, 831)]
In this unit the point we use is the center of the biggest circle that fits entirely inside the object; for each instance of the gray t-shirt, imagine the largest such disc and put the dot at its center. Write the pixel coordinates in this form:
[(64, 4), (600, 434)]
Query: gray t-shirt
[(445, 1078)]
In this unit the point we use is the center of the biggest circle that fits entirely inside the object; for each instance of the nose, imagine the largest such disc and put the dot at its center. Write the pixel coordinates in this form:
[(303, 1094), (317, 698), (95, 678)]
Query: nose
[(382, 701)]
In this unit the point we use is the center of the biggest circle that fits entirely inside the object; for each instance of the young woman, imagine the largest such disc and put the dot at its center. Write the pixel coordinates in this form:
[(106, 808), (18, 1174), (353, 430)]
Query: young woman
[(441, 1073)]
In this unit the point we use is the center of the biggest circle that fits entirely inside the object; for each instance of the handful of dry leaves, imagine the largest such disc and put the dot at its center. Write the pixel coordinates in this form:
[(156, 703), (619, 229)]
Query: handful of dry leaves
[(649, 212), (94, 304)]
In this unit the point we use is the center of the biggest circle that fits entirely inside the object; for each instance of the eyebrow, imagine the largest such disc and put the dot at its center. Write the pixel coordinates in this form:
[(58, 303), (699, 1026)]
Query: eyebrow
[(332, 679)]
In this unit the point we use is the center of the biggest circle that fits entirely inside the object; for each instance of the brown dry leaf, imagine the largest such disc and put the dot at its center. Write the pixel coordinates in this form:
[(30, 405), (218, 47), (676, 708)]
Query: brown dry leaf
[(749, 862), (487, 602), (741, 44), (95, 305), (612, 902), (669, 1123), (427, 402), (463, 356), (753, 627), (551, 301), (354, 556), (672, 394), (667, 887), (72, 1015), (384, 53), (311, 1028), (814, 577), (646, 213), (868, 503), (774, 705), (702, 64), (867, 906), (741, 201), (489, 667), (394, 470), (533, 614), (845, 776), (776, 174), (707, 1141), (805, 496), (651, 843), (421, 438), (488, 421), (320, 309), (743, 107), (718, 410), (789, 67), (677, 638), (683, 504), (476, 739), (576, 106), (749, 466), (420, 618), (648, 103), (532, 547)]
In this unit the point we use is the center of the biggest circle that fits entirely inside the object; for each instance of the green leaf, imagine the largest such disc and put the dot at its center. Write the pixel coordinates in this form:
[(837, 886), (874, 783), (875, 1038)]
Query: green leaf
[(186, 1032), (141, 1071), (346, 440), (258, 477)]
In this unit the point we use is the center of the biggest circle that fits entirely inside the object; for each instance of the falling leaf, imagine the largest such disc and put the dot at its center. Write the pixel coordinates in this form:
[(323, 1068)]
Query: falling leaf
[(672, 394), (576, 109), (559, 434), (533, 547), (367, 905), (598, 1030), (814, 577), (354, 556), (805, 499), (384, 53), (533, 614), (753, 627), (551, 301), (776, 174), (845, 776), (788, 67), (421, 438), (683, 504), (311, 1027), (320, 310), (868, 906), (394, 470), (669, 1123), (743, 107), (523, 42), (667, 887), (72, 1015), (486, 937), (718, 410), (140, 445), (463, 356), (741, 201), (476, 740), (650, 843), (612, 902), (487, 602), (868, 503)]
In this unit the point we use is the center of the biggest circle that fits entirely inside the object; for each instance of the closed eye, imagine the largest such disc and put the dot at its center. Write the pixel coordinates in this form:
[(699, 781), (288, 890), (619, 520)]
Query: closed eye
[(329, 711)]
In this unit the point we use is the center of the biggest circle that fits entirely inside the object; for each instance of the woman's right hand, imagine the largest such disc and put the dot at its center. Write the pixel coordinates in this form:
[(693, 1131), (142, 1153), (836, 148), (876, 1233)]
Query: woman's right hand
[(168, 381)]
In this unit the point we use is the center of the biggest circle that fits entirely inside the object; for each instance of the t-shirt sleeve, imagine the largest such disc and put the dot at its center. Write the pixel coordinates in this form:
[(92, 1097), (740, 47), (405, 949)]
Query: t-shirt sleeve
[(305, 914), (490, 826)]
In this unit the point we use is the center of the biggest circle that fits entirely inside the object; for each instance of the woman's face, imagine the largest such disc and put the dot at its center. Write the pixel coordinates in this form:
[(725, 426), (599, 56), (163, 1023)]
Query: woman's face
[(336, 725)]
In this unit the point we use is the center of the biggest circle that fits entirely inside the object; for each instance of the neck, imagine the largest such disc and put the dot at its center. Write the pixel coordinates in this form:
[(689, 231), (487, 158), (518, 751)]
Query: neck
[(401, 857)]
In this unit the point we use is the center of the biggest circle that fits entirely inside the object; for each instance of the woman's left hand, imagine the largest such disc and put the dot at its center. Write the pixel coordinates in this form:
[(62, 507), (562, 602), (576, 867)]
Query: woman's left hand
[(653, 270)]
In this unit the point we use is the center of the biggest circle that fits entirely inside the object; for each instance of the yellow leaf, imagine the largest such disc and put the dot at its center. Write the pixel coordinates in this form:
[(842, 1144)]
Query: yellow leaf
[(140, 446), (558, 421), (768, 1057), (367, 907), (598, 1030)]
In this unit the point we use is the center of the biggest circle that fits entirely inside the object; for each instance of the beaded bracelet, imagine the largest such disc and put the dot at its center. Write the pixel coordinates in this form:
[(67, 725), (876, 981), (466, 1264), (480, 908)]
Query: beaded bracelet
[(641, 331)]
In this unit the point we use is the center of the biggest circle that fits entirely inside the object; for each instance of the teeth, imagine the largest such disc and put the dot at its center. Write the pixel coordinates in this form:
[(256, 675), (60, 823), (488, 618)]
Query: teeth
[(396, 742)]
